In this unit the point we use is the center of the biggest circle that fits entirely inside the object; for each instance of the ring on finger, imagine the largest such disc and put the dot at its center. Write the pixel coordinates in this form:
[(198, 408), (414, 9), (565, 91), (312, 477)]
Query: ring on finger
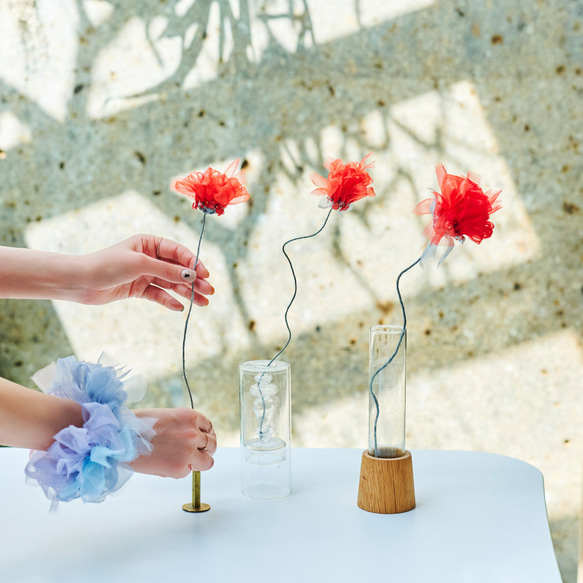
[(206, 443)]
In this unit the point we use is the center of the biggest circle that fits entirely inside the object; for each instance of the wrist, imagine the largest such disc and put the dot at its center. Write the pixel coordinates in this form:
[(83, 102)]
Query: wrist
[(89, 459), (30, 418), (66, 280), (62, 413), (31, 274)]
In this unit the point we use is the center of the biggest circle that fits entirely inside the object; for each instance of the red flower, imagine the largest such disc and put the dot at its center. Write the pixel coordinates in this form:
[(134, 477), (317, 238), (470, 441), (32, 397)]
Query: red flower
[(346, 183), (212, 190), (462, 209)]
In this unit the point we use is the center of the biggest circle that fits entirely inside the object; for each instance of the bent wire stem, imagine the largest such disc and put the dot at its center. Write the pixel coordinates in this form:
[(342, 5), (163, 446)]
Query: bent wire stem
[(374, 376), (295, 282), (287, 310), (188, 315), (195, 474)]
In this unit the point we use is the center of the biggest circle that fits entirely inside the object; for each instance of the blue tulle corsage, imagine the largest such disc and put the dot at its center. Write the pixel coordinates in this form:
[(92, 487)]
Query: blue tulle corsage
[(90, 462)]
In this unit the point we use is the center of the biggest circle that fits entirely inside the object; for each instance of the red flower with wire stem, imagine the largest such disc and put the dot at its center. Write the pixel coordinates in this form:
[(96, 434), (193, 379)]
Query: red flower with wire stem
[(462, 209), (346, 182), (212, 191)]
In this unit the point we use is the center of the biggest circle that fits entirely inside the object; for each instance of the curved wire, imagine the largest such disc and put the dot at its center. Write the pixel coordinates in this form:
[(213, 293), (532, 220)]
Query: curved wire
[(188, 315), (295, 282), (287, 311), (374, 376)]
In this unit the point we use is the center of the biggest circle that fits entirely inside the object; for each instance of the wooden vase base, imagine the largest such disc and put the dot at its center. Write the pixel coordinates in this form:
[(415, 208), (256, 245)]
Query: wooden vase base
[(386, 484)]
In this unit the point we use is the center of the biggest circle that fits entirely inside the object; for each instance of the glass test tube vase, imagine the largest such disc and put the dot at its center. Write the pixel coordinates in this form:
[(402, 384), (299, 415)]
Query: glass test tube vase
[(386, 472), (265, 409)]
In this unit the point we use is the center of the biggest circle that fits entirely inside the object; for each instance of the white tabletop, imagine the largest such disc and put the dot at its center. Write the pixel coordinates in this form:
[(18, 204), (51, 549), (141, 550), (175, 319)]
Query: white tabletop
[(479, 518)]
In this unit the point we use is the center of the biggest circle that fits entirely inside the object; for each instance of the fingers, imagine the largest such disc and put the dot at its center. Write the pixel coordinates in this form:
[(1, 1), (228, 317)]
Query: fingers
[(203, 424), (202, 459), (175, 274), (209, 445), (163, 270), (168, 266), (203, 443), (201, 286), (165, 252), (158, 295), (201, 270), (186, 293), (185, 441), (206, 445), (169, 250), (201, 463)]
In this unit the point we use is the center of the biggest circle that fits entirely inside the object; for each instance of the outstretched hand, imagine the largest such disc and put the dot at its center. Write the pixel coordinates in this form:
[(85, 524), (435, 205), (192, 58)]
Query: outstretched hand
[(143, 266)]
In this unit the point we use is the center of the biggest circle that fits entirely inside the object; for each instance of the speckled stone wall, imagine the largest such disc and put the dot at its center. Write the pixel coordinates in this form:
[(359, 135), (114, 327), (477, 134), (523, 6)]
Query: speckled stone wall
[(102, 105)]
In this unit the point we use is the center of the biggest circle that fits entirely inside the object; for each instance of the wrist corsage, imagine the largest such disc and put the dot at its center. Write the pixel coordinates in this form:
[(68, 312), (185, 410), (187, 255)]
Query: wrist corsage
[(90, 462)]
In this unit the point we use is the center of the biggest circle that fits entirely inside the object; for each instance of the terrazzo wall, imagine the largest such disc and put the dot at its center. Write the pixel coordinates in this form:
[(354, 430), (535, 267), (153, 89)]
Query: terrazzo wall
[(101, 105)]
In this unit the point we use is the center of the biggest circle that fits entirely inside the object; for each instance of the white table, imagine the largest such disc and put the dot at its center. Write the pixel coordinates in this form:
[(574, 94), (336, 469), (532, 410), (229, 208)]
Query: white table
[(479, 518)]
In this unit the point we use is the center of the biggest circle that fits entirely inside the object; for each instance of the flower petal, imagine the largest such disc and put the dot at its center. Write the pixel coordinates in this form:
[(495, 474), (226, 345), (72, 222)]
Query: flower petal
[(441, 174), (424, 207), (318, 180), (232, 168), (368, 164), (461, 209), (346, 183), (212, 191)]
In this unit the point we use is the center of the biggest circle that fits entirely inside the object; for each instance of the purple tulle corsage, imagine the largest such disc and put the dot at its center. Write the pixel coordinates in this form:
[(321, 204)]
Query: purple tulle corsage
[(90, 462)]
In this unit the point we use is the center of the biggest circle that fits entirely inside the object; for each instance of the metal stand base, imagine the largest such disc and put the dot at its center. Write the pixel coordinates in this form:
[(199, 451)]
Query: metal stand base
[(190, 508)]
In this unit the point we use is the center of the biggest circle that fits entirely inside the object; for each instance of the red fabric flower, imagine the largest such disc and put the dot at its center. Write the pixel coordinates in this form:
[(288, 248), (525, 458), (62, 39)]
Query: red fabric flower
[(462, 209), (212, 190), (346, 183)]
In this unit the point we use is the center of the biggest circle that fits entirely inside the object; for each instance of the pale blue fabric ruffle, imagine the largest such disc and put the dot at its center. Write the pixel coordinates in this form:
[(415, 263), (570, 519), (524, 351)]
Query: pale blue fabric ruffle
[(90, 462)]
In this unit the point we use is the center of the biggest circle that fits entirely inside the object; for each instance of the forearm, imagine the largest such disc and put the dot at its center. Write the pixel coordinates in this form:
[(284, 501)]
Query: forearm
[(30, 274), (31, 419)]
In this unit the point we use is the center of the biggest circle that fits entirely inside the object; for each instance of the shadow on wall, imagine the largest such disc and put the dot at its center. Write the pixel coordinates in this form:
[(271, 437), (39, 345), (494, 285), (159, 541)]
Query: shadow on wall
[(279, 102), (155, 88)]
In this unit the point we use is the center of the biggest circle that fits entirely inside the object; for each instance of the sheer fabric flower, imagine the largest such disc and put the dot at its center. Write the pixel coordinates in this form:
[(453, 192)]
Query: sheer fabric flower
[(346, 182), (90, 462), (461, 209), (212, 191)]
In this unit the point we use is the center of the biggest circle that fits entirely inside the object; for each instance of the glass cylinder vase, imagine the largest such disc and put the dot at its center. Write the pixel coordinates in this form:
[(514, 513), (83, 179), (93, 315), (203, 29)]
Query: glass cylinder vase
[(387, 387), (265, 408)]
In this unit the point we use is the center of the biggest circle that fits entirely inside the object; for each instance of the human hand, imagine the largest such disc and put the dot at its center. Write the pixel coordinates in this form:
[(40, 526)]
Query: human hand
[(185, 441), (143, 266)]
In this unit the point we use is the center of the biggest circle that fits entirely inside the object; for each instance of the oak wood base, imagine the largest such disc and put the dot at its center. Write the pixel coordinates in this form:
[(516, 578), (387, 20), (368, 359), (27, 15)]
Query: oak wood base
[(386, 484)]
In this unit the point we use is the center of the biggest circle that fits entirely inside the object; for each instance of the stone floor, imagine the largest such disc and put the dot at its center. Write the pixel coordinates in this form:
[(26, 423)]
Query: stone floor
[(101, 105)]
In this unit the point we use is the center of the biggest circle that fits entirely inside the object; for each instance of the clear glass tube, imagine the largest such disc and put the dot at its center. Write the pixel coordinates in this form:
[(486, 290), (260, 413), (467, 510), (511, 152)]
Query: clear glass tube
[(265, 408), (387, 388)]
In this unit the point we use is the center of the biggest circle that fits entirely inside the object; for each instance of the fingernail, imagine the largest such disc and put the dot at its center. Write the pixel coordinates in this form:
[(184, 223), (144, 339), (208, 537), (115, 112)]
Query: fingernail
[(188, 275)]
